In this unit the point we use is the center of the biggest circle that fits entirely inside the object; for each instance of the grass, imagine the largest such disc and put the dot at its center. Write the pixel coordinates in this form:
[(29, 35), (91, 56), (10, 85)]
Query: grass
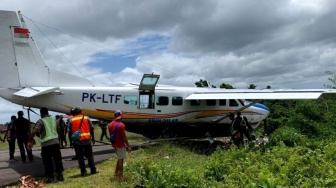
[(139, 164), (141, 167)]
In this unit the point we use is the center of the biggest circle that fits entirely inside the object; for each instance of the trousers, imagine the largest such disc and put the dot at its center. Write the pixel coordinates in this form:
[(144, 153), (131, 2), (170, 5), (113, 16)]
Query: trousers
[(49, 154), (81, 151)]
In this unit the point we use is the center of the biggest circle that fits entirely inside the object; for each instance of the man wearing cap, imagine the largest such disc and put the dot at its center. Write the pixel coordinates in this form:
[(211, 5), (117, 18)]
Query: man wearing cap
[(82, 145), (121, 144), (22, 126)]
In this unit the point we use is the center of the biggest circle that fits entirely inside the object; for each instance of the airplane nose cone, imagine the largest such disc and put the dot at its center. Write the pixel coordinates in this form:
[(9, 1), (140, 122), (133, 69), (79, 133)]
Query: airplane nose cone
[(263, 110), (258, 105)]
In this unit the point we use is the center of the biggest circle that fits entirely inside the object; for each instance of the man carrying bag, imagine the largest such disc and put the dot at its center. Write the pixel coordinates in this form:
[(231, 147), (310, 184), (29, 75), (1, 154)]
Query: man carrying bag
[(83, 131)]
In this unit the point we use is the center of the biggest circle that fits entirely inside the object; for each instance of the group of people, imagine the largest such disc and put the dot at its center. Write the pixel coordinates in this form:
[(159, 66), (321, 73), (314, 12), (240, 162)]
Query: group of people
[(52, 134), (240, 127), (18, 129)]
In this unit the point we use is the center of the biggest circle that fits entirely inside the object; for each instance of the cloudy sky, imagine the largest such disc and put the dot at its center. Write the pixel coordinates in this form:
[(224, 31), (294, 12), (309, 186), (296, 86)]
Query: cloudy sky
[(284, 44)]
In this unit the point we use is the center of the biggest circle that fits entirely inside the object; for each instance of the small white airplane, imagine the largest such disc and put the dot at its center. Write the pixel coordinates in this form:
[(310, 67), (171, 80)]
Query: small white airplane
[(148, 109)]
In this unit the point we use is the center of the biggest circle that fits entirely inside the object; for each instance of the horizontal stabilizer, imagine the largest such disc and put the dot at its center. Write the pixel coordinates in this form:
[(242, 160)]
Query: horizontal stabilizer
[(34, 91)]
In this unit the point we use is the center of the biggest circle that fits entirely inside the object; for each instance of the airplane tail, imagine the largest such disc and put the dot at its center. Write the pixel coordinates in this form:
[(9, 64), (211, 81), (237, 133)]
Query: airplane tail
[(21, 63)]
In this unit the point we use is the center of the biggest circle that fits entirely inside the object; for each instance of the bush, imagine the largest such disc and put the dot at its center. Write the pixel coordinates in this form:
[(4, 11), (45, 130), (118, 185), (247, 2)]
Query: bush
[(170, 166), (277, 166), (288, 136)]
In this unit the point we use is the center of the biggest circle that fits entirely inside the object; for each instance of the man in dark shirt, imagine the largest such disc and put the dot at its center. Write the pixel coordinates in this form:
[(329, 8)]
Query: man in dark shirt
[(103, 126), (243, 126), (63, 131), (11, 138), (235, 134), (22, 126)]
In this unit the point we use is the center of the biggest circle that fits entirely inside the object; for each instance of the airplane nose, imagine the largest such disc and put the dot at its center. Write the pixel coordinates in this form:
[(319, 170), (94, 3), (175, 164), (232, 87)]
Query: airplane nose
[(264, 107), (263, 110)]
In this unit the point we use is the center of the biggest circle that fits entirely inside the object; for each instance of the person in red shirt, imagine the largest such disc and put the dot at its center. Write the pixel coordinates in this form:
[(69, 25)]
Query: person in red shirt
[(121, 144)]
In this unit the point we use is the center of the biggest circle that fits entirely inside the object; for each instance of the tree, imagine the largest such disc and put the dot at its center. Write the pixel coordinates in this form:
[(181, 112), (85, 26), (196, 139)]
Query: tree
[(332, 78), (226, 86), (252, 86), (202, 83), (268, 87)]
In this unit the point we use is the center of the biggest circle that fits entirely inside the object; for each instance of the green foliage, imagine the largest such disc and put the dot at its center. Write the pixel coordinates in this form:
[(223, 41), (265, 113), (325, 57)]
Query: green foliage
[(251, 86), (226, 86), (277, 166), (332, 79), (288, 136), (202, 83), (169, 166)]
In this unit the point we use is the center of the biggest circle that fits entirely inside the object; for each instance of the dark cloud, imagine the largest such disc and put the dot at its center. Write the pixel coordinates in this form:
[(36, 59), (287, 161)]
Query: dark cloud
[(241, 39)]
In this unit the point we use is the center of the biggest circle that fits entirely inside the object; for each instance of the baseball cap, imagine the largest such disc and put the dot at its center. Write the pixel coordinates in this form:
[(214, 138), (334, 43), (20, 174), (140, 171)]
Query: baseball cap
[(77, 110), (117, 113)]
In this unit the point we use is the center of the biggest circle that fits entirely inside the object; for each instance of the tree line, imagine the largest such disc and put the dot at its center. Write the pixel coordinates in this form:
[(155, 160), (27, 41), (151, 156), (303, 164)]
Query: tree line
[(205, 83)]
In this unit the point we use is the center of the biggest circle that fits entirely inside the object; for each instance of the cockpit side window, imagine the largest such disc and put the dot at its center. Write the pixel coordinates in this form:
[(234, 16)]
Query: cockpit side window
[(130, 99), (233, 102)]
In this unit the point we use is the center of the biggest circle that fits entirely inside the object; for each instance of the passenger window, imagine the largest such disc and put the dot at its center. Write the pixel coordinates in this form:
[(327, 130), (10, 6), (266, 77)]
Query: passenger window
[(131, 99), (222, 102), (211, 102), (177, 101), (195, 102), (233, 102), (162, 101)]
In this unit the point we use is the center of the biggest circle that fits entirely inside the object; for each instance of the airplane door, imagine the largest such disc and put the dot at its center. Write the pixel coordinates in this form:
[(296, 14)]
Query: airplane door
[(147, 92)]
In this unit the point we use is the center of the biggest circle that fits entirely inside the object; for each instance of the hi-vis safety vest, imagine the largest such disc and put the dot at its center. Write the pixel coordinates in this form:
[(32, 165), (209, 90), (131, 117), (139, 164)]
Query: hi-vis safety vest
[(50, 129), (85, 128), (242, 123)]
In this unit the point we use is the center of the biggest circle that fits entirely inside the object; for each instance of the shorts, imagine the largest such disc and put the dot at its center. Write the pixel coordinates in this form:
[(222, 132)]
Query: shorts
[(120, 152)]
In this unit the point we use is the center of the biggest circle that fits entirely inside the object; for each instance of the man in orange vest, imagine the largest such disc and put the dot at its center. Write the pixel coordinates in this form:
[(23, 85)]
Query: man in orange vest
[(82, 144)]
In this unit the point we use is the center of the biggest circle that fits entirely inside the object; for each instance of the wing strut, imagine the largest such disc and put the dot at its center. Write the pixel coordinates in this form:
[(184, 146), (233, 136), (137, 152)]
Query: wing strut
[(239, 110)]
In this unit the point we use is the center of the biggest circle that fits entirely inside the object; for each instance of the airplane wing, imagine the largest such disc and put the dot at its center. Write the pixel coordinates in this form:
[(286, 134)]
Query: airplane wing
[(260, 94), (34, 91)]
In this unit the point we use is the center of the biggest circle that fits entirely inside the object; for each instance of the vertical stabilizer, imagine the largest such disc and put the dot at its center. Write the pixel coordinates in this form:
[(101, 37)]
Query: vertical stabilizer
[(21, 63)]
